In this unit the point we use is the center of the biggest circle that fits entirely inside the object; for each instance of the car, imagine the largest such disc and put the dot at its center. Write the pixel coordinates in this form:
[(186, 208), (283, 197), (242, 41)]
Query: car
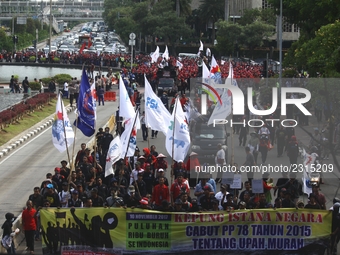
[(63, 47), (166, 85), (205, 139)]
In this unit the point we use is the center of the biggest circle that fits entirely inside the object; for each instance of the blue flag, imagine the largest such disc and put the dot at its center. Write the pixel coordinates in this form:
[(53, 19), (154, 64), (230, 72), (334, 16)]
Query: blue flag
[(86, 108)]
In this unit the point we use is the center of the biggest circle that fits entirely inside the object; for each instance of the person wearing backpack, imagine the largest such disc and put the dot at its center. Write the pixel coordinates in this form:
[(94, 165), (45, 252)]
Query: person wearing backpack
[(293, 150), (263, 147)]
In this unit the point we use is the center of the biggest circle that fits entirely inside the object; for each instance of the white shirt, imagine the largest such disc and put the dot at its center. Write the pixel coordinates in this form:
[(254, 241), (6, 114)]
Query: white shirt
[(65, 86), (219, 196), (64, 196), (264, 130), (134, 175), (220, 155)]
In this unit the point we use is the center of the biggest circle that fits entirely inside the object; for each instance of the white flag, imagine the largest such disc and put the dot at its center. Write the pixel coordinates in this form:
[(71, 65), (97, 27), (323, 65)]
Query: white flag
[(126, 109), (201, 47), (221, 111), (113, 155), (156, 115), (166, 53), (129, 137), (155, 55), (178, 134), (308, 160), (60, 121), (114, 48), (179, 65), (208, 52)]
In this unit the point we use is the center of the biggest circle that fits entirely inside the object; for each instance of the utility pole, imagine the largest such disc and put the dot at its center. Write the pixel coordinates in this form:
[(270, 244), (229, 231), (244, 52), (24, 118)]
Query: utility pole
[(36, 45), (280, 50), (50, 41)]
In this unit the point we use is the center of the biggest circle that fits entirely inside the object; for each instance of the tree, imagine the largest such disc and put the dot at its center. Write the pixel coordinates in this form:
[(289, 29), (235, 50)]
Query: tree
[(254, 34), (228, 36), (254, 28), (308, 15), (212, 11), (322, 53), (162, 21), (184, 7)]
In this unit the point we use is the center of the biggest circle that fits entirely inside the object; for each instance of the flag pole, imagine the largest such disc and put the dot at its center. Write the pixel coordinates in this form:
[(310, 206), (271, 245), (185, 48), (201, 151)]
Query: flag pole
[(75, 135), (232, 156), (173, 142), (62, 112), (128, 144)]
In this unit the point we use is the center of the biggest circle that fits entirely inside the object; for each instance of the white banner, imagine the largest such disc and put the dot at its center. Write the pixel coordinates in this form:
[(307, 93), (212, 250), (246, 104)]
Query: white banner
[(308, 160), (61, 120), (156, 115), (221, 112), (179, 139), (126, 109), (129, 137), (113, 155)]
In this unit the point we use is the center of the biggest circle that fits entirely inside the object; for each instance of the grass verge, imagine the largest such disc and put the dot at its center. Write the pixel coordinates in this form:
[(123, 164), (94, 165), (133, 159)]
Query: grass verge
[(27, 122)]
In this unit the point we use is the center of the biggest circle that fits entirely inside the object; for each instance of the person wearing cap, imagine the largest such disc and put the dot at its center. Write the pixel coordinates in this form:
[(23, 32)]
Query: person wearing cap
[(312, 204), (161, 162), (178, 187), (144, 204), (300, 204), (47, 181), (7, 231), (165, 100), (179, 167), (160, 193), (160, 173), (222, 194), (206, 199), (178, 207), (64, 195), (64, 170), (131, 198), (199, 189), (52, 196), (242, 205), (191, 167), (29, 223), (74, 201), (97, 201), (135, 172), (58, 178)]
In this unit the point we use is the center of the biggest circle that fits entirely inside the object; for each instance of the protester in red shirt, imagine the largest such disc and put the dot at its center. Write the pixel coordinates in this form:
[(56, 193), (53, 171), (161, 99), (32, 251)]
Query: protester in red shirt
[(178, 187), (29, 223), (160, 193)]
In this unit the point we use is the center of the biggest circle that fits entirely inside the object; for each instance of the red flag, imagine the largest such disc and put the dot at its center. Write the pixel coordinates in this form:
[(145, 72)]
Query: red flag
[(89, 44), (82, 48)]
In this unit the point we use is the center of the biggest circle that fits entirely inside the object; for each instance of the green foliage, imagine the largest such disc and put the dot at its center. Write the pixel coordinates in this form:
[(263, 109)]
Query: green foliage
[(31, 59), (252, 15), (35, 85), (322, 53), (56, 60), (227, 36), (61, 78)]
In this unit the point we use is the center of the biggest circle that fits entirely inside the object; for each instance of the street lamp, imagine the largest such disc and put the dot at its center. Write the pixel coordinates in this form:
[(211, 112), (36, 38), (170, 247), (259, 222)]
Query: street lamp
[(280, 48)]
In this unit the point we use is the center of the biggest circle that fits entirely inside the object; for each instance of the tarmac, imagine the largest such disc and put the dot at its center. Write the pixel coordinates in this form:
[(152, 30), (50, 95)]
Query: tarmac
[(22, 138)]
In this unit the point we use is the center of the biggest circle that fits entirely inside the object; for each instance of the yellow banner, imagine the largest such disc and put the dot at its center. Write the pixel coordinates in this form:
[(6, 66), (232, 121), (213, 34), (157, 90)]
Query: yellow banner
[(118, 229)]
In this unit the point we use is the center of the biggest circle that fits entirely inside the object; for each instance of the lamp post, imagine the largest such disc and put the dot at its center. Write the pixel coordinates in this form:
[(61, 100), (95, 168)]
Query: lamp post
[(50, 42), (280, 48)]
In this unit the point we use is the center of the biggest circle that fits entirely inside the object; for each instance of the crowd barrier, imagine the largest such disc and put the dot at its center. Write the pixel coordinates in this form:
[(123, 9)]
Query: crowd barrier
[(110, 96)]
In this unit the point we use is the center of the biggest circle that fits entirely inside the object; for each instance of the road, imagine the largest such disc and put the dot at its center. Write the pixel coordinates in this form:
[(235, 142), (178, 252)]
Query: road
[(26, 167)]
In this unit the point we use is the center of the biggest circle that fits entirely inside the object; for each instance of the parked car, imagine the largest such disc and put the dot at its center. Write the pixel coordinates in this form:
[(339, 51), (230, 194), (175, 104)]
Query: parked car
[(167, 85)]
